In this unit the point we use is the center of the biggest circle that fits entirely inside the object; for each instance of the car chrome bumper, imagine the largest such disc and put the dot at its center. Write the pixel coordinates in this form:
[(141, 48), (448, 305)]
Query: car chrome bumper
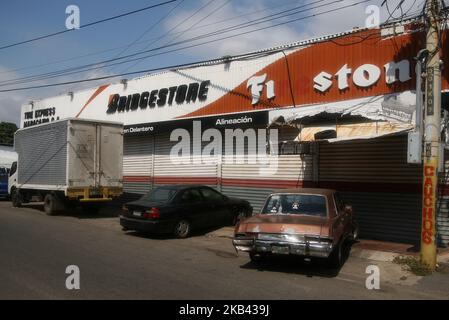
[(319, 249)]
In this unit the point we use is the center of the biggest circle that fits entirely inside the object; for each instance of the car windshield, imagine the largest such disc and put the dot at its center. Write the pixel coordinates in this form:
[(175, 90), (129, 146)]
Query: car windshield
[(313, 205), (163, 195)]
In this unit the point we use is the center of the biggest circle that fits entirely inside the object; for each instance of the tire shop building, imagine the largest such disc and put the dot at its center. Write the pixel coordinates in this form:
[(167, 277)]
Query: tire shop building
[(331, 112)]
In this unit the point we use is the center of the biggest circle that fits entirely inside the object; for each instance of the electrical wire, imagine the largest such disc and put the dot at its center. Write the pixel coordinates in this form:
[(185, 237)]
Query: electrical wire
[(183, 65), (201, 26), (102, 64), (90, 24)]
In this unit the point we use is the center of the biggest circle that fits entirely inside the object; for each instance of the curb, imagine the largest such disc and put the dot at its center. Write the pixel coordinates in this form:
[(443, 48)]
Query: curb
[(363, 253)]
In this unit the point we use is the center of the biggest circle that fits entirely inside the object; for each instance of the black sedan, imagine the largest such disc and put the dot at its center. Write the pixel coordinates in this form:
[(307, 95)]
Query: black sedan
[(180, 209)]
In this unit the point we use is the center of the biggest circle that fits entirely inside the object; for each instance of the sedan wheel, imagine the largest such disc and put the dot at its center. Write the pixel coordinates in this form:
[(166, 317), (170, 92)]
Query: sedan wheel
[(257, 257), (182, 229), (239, 216), (355, 232)]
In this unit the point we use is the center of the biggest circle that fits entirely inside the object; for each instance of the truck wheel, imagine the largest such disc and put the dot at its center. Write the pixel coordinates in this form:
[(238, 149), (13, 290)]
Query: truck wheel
[(16, 198), (50, 204)]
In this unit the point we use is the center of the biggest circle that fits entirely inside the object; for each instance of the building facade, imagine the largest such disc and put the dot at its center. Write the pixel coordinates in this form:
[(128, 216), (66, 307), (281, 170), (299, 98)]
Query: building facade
[(330, 112)]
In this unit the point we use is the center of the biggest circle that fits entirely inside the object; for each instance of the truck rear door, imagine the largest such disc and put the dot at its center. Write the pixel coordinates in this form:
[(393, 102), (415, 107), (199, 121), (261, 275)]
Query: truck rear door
[(82, 155), (110, 138)]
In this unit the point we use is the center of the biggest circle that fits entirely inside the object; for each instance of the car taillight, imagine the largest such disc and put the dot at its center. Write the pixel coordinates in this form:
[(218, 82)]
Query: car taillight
[(153, 213), (125, 210)]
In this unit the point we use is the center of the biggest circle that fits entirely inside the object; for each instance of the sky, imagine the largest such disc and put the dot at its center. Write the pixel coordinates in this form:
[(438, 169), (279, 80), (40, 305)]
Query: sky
[(180, 20)]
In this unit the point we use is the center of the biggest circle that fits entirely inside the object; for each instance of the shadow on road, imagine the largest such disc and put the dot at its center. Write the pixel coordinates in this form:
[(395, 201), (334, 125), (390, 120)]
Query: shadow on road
[(159, 236), (298, 265), (107, 211)]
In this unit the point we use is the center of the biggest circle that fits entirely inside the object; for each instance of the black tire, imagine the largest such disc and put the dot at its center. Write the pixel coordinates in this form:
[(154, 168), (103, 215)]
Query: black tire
[(354, 235), (239, 216), (50, 204), (257, 257), (182, 229), (16, 198), (335, 259)]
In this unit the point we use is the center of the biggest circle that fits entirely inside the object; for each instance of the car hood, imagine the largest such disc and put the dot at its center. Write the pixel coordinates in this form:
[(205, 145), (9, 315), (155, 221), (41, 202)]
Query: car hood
[(292, 224)]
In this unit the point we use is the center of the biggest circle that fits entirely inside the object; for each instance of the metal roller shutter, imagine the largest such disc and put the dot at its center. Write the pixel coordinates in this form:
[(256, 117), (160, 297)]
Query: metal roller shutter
[(385, 191), (166, 172), (138, 153), (443, 204)]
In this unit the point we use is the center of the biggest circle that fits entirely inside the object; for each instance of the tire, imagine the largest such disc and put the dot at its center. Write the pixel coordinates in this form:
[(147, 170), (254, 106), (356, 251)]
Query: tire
[(257, 257), (51, 204), (354, 235), (239, 216), (335, 259), (182, 229), (16, 198)]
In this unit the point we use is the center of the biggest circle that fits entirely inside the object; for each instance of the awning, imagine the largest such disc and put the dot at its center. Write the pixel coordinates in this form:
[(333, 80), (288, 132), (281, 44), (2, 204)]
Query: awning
[(365, 118), (354, 131)]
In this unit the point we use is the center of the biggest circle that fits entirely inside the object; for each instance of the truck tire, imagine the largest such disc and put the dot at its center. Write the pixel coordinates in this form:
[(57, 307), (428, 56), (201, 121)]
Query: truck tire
[(51, 204), (16, 198)]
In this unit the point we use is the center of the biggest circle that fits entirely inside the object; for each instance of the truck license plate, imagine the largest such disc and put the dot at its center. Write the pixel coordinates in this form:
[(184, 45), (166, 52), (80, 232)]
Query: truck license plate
[(137, 213), (280, 249)]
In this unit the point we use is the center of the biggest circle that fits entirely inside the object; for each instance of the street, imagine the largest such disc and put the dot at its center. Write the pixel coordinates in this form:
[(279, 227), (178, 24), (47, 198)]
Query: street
[(36, 249)]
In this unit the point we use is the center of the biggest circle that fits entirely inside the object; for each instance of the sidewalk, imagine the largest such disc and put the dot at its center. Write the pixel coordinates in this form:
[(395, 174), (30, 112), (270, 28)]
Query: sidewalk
[(366, 249)]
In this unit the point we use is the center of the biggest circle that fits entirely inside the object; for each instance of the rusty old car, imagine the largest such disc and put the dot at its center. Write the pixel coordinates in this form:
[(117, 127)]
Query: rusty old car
[(306, 222)]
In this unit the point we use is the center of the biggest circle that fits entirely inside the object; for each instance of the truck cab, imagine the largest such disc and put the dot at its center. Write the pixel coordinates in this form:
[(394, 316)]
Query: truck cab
[(12, 179), (4, 192)]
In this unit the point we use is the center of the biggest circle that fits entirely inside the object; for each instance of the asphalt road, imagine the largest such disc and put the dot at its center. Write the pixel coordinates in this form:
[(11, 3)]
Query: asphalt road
[(36, 249)]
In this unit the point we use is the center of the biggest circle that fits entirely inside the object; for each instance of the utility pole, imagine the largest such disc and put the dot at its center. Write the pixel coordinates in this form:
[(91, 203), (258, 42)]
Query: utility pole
[(432, 136)]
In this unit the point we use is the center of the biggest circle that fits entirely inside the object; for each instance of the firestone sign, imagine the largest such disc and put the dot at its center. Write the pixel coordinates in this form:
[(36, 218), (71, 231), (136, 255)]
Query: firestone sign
[(364, 76)]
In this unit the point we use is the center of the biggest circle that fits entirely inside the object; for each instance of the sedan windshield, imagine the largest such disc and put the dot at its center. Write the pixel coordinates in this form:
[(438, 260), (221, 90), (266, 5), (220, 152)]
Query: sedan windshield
[(162, 195), (313, 205)]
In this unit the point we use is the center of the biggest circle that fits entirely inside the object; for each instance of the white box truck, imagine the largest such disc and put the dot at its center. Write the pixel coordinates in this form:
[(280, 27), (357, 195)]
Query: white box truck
[(67, 162)]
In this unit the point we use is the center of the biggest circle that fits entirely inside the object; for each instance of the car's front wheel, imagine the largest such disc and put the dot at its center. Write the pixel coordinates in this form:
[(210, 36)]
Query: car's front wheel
[(257, 257), (354, 232), (239, 216), (182, 229)]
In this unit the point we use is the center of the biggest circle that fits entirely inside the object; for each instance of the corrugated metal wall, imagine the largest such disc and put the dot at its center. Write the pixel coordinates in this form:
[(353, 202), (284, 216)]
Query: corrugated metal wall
[(138, 154), (443, 204), (190, 171), (42, 154), (373, 175)]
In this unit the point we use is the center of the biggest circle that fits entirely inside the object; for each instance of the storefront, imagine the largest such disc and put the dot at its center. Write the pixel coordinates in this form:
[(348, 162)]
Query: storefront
[(332, 112)]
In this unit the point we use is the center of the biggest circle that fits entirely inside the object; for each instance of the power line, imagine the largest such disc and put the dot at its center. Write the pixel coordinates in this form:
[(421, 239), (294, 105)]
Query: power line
[(184, 65), (186, 30), (87, 25), (105, 63), (143, 41), (149, 29)]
